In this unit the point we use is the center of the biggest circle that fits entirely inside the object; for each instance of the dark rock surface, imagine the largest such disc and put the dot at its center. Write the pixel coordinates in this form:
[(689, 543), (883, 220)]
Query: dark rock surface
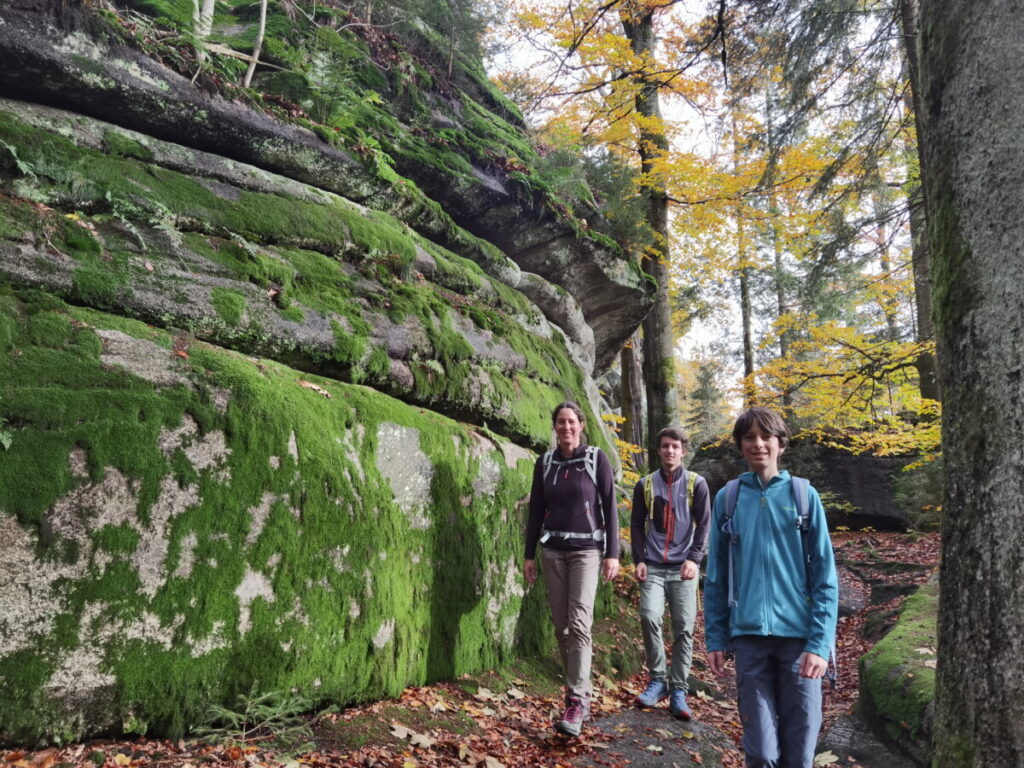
[(858, 489)]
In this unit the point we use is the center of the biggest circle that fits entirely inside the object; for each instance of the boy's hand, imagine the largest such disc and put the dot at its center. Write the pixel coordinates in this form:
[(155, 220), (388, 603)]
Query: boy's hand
[(688, 570), (610, 568), (641, 571), (716, 663), (530, 571), (812, 665)]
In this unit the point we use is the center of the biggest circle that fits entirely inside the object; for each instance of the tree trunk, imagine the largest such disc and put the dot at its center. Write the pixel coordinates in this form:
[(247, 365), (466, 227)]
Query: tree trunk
[(257, 46), (744, 270), (746, 311), (202, 25), (927, 373), (659, 343), (972, 77), (632, 392)]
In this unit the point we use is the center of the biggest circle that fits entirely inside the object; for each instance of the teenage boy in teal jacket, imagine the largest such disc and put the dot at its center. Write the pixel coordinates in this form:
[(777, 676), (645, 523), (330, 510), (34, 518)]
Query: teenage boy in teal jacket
[(780, 621)]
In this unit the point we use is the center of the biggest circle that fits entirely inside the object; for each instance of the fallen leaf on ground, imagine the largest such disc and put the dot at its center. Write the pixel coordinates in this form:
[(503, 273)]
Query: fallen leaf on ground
[(315, 387)]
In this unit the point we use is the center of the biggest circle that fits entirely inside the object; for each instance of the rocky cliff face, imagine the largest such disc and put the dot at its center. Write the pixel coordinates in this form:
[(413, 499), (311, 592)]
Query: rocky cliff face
[(275, 363)]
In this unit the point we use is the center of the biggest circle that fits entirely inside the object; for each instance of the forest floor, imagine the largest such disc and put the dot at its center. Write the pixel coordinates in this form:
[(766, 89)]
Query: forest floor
[(502, 719)]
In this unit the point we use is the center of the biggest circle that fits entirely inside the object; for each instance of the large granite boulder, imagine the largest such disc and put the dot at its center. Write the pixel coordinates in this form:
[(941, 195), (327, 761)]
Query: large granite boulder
[(184, 523), (453, 153), (272, 407)]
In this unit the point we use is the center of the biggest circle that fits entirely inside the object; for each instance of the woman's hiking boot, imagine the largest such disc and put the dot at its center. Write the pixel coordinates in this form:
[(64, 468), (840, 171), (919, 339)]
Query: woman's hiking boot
[(655, 693), (577, 711)]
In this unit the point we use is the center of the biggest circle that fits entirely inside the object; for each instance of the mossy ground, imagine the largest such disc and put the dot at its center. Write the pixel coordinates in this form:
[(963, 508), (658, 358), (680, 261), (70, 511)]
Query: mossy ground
[(898, 674)]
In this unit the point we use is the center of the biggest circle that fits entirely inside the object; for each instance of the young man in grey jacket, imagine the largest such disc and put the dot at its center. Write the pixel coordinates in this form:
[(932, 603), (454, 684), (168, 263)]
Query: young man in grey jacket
[(669, 525)]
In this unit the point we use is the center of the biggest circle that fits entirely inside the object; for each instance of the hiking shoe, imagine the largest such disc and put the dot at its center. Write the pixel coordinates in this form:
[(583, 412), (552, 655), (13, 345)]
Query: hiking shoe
[(576, 711), (656, 692), (677, 705)]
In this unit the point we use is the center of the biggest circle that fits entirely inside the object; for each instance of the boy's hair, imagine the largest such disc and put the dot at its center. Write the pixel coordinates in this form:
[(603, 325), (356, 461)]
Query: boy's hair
[(673, 433), (768, 420), (572, 407)]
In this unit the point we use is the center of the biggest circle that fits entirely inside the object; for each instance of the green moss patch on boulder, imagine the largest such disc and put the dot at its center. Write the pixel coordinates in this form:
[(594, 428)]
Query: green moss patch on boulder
[(897, 678), (182, 528), (276, 268)]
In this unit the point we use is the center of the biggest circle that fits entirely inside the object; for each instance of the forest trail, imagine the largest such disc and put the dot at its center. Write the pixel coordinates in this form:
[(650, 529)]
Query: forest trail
[(503, 720)]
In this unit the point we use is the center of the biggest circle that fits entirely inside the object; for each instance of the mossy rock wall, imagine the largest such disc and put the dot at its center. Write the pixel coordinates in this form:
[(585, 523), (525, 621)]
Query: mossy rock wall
[(897, 678), (273, 409), (115, 220), (181, 525), (351, 108)]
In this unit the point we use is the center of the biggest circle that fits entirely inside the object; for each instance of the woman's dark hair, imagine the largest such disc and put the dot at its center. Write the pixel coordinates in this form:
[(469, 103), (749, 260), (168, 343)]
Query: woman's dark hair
[(768, 420), (572, 407)]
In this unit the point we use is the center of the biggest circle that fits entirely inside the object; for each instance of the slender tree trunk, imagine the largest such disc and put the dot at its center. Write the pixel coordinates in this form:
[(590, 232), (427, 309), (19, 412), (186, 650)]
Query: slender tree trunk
[(632, 392), (202, 25), (781, 304), (659, 344), (257, 46), (972, 77), (884, 262), (746, 312), (927, 373), (744, 271)]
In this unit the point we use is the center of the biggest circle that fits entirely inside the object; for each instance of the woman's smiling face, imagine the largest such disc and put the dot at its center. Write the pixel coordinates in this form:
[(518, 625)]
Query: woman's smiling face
[(568, 428)]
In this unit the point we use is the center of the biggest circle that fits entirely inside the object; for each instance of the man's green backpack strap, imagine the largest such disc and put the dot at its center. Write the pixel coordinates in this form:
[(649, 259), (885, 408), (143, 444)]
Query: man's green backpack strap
[(691, 483)]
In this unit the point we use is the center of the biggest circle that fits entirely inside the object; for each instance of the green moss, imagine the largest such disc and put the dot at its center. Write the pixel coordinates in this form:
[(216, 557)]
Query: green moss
[(117, 143), (47, 329), (117, 539), (898, 678), (230, 305), (94, 286), (294, 314), (331, 537)]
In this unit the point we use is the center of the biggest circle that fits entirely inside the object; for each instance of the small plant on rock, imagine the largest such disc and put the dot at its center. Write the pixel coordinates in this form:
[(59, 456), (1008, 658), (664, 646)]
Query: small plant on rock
[(275, 720)]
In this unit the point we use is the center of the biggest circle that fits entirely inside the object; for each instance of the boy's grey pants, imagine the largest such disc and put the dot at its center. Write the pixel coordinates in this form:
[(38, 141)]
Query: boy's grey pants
[(780, 711), (665, 582), (571, 579)]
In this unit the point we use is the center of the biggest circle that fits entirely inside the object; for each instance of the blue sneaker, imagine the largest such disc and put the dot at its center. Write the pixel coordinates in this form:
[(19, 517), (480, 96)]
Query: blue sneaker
[(656, 692), (677, 705)]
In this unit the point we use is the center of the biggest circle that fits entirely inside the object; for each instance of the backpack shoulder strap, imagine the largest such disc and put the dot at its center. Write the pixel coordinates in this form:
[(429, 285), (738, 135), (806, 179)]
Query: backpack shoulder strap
[(590, 462), (548, 458), (732, 493), (800, 486), (691, 484), (648, 482)]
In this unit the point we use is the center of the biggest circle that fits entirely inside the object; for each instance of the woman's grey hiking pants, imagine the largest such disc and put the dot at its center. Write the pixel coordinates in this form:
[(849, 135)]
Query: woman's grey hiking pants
[(571, 579), (780, 711)]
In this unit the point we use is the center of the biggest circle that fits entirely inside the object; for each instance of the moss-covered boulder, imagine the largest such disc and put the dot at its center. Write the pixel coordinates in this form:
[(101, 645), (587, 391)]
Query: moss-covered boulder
[(372, 119), (183, 523), (275, 363), (897, 678), (248, 259)]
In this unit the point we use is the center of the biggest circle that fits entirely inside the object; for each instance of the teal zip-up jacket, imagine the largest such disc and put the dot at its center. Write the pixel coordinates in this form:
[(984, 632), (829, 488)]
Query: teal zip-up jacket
[(771, 581)]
